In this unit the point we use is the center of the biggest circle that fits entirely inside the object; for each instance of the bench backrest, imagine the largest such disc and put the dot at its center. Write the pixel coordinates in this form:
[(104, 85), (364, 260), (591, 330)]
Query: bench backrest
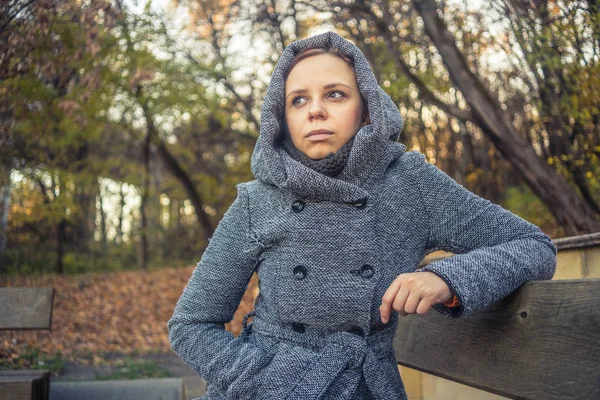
[(540, 342), (26, 308)]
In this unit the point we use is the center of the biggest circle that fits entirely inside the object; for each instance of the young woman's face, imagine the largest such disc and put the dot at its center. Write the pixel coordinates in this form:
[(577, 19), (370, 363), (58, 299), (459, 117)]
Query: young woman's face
[(321, 94)]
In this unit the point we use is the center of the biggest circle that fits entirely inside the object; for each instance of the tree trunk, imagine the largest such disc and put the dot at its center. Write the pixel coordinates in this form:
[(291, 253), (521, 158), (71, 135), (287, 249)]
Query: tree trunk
[(83, 220), (179, 173), (102, 218), (132, 238), (144, 200), (119, 237), (60, 245), (5, 190), (569, 209)]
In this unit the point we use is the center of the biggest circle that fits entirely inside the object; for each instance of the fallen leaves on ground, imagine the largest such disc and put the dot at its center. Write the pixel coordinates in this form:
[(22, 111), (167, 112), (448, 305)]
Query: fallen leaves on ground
[(125, 312)]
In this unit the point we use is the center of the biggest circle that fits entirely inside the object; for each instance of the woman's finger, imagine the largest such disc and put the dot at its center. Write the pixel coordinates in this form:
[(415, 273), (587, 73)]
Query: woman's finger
[(388, 299), (411, 303), (400, 300), (424, 306)]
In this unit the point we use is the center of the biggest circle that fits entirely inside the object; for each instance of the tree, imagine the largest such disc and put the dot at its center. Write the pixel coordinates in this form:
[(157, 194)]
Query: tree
[(42, 100), (372, 23), (571, 210)]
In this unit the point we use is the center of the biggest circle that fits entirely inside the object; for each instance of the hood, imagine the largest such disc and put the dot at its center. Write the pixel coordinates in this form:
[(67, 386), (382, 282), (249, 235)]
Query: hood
[(374, 146)]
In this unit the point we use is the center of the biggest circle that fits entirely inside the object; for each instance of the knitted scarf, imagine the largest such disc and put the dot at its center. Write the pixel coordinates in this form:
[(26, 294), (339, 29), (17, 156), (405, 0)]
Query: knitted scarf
[(331, 165)]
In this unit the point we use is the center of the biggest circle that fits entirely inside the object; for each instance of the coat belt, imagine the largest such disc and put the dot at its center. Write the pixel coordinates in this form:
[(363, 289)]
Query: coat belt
[(337, 352)]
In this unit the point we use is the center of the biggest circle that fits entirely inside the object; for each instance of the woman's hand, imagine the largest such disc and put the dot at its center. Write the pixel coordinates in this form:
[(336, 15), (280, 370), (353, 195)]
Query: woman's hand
[(414, 292)]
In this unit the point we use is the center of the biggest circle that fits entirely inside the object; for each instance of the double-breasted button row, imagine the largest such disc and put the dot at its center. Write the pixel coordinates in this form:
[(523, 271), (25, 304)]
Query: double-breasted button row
[(298, 205), (366, 271)]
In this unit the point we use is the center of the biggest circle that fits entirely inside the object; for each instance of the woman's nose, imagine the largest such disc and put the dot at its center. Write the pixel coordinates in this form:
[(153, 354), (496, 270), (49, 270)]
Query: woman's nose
[(316, 110)]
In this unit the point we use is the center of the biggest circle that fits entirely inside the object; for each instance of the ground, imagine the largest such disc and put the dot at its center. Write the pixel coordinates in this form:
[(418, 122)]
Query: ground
[(108, 322)]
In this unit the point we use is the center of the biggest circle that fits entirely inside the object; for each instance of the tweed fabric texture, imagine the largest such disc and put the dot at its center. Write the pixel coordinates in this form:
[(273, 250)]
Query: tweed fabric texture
[(330, 165), (326, 249)]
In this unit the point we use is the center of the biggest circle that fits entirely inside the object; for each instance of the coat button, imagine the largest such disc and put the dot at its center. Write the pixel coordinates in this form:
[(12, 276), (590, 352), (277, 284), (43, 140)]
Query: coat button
[(366, 271), (298, 327), (300, 272), (357, 330), (361, 203), (298, 206)]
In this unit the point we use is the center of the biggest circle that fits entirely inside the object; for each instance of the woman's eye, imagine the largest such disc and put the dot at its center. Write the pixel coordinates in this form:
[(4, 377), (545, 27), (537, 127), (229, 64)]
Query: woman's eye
[(295, 100), (339, 94), (336, 94)]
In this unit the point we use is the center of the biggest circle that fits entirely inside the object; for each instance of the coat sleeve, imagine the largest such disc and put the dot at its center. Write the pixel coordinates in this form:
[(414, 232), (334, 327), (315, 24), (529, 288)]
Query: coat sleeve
[(210, 299), (495, 250)]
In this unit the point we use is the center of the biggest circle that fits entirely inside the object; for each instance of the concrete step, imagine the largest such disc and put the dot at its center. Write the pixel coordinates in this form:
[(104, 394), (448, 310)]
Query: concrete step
[(147, 389)]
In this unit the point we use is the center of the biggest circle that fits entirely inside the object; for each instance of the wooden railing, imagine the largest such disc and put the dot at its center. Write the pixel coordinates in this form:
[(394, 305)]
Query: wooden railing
[(540, 342)]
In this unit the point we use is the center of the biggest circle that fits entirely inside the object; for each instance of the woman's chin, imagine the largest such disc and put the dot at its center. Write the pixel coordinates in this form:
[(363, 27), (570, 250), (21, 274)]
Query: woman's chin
[(320, 152), (316, 156)]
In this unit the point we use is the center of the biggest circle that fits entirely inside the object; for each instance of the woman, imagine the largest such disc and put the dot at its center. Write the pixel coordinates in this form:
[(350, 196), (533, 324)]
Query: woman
[(335, 224)]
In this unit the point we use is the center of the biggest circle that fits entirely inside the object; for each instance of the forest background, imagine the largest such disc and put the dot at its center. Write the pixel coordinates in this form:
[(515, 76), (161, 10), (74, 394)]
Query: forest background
[(125, 126)]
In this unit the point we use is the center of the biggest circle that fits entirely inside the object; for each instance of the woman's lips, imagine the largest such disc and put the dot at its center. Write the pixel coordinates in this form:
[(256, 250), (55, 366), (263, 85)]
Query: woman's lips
[(318, 136)]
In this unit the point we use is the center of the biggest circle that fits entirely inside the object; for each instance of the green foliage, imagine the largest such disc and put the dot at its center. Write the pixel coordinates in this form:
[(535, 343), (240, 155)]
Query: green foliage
[(33, 358), (29, 260), (130, 368), (85, 117), (92, 83)]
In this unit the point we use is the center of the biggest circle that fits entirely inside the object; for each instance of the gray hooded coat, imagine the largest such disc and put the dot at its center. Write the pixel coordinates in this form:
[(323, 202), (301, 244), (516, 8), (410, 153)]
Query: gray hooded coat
[(327, 248)]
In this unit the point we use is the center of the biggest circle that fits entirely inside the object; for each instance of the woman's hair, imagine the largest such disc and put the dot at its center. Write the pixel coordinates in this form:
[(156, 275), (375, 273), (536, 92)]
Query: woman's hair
[(313, 51)]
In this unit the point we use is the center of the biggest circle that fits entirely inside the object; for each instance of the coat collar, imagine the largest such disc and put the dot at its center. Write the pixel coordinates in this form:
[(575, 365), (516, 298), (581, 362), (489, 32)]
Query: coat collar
[(374, 147)]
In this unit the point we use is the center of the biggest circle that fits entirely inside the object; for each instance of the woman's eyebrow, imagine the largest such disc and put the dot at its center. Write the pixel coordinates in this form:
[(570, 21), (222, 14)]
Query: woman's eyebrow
[(328, 86)]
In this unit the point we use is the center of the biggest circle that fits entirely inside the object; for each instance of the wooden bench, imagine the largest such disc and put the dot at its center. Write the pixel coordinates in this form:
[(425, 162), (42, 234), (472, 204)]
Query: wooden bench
[(540, 342), (25, 308)]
